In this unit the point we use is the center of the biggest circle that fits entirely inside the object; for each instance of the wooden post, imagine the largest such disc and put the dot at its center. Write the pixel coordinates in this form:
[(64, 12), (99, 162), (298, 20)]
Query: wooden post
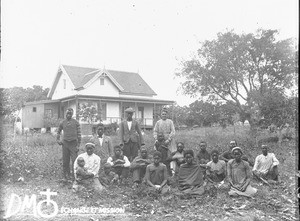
[(121, 111), (136, 109), (76, 107)]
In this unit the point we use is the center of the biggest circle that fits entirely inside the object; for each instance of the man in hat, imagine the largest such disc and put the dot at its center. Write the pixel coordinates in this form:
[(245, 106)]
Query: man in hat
[(70, 142), (239, 175), (130, 135), (92, 165), (103, 143), (265, 165)]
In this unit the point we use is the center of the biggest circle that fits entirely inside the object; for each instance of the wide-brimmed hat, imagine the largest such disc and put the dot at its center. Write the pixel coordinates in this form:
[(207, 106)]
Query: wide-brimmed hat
[(237, 148), (129, 110)]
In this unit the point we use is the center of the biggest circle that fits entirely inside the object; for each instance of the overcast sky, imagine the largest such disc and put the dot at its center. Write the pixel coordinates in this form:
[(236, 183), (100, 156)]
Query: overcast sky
[(149, 37)]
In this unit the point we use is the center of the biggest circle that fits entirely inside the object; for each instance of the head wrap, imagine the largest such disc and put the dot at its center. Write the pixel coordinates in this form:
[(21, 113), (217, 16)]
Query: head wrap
[(264, 145), (157, 153), (236, 148), (188, 152), (233, 141), (89, 144)]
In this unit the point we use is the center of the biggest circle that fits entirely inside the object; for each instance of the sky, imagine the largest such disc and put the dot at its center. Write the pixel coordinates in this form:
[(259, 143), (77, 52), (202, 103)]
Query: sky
[(148, 37)]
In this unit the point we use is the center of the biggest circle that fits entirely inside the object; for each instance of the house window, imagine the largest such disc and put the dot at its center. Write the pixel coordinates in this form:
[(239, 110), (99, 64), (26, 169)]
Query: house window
[(48, 113), (101, 81), (34, 109), (65, 83)]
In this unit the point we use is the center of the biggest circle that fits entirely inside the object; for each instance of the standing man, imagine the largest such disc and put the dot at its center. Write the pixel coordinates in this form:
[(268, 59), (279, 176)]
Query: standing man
[(103, 143), (166, 127), (130, 136), (70, 142)]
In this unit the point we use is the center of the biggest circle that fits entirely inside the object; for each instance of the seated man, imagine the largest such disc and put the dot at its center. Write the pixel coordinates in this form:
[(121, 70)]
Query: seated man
[(239, 175), (156, 174), (119, 163), (216, 169), (138, 167), (92, 166), (177, 157), (265, 165), (108, 177), (190, 177)]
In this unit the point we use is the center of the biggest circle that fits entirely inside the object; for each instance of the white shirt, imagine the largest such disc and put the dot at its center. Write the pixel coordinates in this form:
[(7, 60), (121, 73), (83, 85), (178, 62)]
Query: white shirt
[(126, 164), (263, 163), (100, 140), (129, 123), (92, 163)]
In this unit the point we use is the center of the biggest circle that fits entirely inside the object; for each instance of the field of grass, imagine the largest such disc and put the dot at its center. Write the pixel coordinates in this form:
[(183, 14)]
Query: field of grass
[(33, 164)]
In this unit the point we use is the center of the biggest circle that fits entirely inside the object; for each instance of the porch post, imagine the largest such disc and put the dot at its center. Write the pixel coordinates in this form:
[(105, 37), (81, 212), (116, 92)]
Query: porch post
[(76, 107), (59, 110), (121, 111), (154, 114), (136, 109)]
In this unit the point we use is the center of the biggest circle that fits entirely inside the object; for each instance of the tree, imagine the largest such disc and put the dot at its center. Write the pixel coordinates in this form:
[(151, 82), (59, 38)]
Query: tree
[(15, 97), (241, 69)]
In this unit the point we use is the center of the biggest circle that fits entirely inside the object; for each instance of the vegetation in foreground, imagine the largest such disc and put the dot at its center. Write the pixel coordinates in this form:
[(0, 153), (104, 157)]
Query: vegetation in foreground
[(32, 164)]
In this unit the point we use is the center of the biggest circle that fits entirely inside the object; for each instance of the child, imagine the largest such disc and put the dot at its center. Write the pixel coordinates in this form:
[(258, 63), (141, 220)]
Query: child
[(82, 176), (108, 177)]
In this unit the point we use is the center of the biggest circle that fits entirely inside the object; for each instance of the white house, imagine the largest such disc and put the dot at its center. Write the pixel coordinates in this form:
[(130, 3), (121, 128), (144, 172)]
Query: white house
[(109, 92)]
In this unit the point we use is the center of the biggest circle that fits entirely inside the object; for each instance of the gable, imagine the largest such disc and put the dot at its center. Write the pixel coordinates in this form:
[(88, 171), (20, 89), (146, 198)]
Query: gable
[(128, 83)]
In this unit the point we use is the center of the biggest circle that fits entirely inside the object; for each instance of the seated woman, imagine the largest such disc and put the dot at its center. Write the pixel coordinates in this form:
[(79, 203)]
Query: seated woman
[(177, 158), (216, 169), (239, 175), (119, 163), (190, 177), (108, 177), (91, 169), (156, 174)]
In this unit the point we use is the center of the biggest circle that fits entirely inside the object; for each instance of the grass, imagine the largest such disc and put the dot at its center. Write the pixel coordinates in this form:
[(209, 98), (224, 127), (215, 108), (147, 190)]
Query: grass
[(38, 160)]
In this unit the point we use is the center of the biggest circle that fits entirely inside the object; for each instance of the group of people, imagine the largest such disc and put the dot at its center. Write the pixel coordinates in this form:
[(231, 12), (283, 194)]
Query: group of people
[(170, 162)]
